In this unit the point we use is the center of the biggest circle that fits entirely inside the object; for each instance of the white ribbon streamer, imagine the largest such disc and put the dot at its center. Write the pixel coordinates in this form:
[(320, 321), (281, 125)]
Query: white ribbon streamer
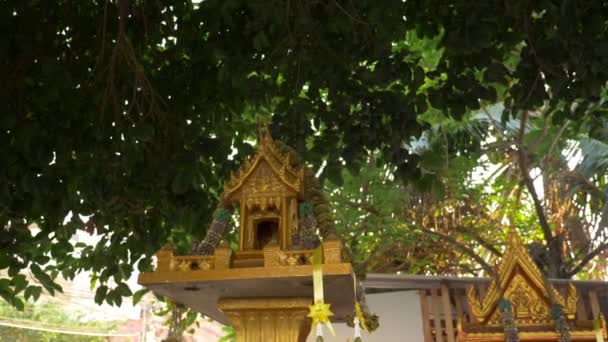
[(357, 327), (319, 331)]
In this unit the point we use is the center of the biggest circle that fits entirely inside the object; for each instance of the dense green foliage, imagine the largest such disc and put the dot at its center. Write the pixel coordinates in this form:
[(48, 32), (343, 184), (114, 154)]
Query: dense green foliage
[(464, 216), (389, 227), (127, 111)]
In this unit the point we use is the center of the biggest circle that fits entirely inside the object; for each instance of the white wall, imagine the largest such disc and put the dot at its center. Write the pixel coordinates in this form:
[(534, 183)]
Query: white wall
[(400, 319)]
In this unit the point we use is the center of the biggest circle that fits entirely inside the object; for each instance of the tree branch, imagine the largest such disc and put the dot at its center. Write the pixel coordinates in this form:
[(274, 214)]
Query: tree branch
[(601, 248), (466, 249), (486, 244), (555, 141), (540, 212), (349, 15)]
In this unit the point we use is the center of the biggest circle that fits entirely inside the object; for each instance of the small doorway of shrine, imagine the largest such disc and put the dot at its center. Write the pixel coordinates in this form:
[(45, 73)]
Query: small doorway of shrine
[(266, 232)]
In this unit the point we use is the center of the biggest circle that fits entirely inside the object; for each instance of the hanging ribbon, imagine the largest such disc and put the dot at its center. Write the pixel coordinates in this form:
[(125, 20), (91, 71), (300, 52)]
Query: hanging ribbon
[(597, 328), (359, 320), (361, 317), (319, 311), (357, 330)]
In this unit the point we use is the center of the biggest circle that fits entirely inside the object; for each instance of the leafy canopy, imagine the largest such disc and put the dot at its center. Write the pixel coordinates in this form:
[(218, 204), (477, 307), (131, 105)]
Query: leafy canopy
[(126, 112)]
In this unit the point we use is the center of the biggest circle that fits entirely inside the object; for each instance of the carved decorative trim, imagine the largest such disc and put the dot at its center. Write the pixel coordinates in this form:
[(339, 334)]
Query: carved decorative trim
[(267, 156), (522, 282), (332, 252)]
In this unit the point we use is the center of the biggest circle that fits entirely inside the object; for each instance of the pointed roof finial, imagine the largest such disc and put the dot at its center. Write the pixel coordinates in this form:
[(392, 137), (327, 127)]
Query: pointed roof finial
[(263, 128), (278, 160)]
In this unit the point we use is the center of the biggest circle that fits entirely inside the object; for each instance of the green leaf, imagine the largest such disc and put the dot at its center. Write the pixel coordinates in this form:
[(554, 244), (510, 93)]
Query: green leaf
[(4, 285), (44, 279), (137, 296), (32, 292), (418, 76), (58, 251), (123, 290), (42, 259), (117, 300), (145, 265), (113, 297), (5, 261), (19, 282), (17, 303), (100, 294), (14, 269), (126, 270)]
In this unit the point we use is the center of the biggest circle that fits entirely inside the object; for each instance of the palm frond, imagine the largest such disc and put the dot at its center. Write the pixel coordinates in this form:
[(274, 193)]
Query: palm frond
[(595, 157)]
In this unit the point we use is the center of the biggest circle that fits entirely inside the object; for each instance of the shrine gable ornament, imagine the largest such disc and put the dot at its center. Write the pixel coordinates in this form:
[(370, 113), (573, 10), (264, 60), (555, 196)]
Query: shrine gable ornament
[(531, 300)]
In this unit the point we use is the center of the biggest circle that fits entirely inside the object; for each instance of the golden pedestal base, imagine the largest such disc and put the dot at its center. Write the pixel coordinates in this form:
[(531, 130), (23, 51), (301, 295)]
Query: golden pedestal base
[(268, 319)]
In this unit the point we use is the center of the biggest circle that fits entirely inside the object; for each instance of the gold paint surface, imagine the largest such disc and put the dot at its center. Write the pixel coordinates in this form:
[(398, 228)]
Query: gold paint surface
[(266, 188), (268, 319), (272, 173), (332, 251), (522, 283), (240, 273), (543, 336)]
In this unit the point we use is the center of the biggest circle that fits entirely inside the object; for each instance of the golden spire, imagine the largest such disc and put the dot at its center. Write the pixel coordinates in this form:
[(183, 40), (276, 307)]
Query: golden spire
[(264, 128)]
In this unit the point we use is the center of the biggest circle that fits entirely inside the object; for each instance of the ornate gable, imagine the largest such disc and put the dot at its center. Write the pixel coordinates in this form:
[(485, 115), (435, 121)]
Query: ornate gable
[(523, 285), (269, 171)]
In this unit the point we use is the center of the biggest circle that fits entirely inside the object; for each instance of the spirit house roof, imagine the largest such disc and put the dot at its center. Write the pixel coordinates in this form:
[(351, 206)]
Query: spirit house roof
[(268, 164)]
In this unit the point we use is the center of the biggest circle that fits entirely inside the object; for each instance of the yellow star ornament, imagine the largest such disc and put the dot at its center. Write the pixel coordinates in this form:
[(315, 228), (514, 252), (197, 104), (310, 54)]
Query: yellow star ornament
[(320, 313)]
